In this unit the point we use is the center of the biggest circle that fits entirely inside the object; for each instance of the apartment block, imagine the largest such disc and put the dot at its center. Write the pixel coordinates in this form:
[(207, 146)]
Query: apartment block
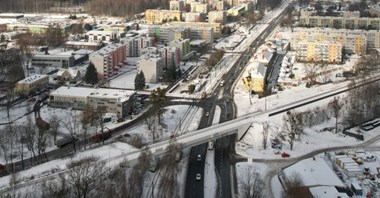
[(217, 16), (116, 101), (202, 33), (160, 16), (199, 7), (195, 17), (354, 41), (109, 59), (97, 36), (340, 22), (30, 84), (218, 5), (183, 45), (152, 65), (326, 51), (53, 58), (165, 34), (217, 27), (177, 5), (171, 55)]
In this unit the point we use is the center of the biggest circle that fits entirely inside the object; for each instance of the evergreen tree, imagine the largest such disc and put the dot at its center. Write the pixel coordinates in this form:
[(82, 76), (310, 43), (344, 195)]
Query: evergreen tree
[(140, 81), (91, 76)]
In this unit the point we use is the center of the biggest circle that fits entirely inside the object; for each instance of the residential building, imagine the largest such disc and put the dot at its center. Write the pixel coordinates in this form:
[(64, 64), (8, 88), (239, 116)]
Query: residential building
[(116, 101), (218, 5), (3, 27), (202, 33), (240, 10), (152, 65), (53, 58), (177, 5), (217, 16), (217, 27), (170, 55), (199, 7), (160, 16), (255, 77), (340, 22), (349, 14), (31, 84), (194, 17), (67, 75), (183, 45), (33, 28), (165, 34), (374, 9), (98, 36), (354, 41), (109, 59), (83, 45), (326, 51)]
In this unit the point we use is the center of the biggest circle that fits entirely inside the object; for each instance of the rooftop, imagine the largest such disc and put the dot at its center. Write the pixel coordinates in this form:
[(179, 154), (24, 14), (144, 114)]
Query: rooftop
[(32, 79)]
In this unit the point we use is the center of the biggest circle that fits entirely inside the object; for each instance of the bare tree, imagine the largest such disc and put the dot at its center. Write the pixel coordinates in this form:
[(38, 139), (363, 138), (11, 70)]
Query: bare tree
[(293, 127), (335, 106), (169, 169), (136, 177), (71, 122), (86, 176), (56, 188), (293, 186), (41, 144), (54, 126), (265, 133), (311, 70), (251, 184), (150, 121)]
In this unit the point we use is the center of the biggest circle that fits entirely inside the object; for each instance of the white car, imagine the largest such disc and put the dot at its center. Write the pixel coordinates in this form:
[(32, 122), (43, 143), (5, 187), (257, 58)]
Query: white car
[(198, 177), (207, 114), (199, 158)]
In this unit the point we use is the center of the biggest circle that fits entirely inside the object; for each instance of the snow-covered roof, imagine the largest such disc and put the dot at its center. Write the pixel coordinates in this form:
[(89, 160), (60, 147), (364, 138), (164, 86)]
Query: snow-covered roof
[(32, 79), (326, 191), (71, 71), (73, 91), (314, 172)]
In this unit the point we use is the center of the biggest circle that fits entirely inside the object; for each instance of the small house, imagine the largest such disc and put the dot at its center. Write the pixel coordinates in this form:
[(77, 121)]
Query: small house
[(65, 75)]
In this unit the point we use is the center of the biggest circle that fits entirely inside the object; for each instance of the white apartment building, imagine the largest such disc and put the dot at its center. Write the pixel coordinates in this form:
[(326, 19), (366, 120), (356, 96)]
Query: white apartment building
[(135, 44), (152, 65), (199, 7), (183, 45), (216, 16), (97, 36), (326, 51)]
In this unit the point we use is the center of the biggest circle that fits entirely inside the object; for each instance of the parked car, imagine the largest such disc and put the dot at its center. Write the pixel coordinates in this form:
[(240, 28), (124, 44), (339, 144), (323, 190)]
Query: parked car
[(284, 155), (207, 114), (199, 157)]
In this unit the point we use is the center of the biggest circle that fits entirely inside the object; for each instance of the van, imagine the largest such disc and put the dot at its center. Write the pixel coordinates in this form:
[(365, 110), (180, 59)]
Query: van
[(210, 145)]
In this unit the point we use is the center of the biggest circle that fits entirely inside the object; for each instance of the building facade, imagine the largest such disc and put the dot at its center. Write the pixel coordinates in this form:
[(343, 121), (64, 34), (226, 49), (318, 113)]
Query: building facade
[(325, 51), (31, 84), (53, 60), (116, 101), (217, 16), (199, 7), (165, 34), (98, 36), (340, 22), (183, 45), (354, 41), (134, 45), (177, 5), (194, 17), (160, 16), (152, 65)]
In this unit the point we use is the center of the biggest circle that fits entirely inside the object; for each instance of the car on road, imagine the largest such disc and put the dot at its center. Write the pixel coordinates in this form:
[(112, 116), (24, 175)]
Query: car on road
[(227, 100), (199, 157), (198, 177), (207, 114), (210, 145), (284, 155)]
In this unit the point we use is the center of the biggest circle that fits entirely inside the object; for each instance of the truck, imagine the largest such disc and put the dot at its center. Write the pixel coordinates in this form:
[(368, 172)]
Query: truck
[(65, 141)]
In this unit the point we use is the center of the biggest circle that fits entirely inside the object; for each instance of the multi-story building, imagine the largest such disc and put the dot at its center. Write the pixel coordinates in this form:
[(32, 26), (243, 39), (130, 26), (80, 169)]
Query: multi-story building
[(171, 56), (195, 17), (354, 41), (165, 34), (3, 27), (83, 45), (109, 59), (326, 51), (98, 36), (217, 27), (116, 101), (53, 59), (33, 28), (217, 16), (31, 84), (202, 33), (134, 45), (160, 16), (177, 5), (255, 76), (348, 14), (218, 5), (340, 22), (183, 45), (374, 9), (152, 65), (199, 7)]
